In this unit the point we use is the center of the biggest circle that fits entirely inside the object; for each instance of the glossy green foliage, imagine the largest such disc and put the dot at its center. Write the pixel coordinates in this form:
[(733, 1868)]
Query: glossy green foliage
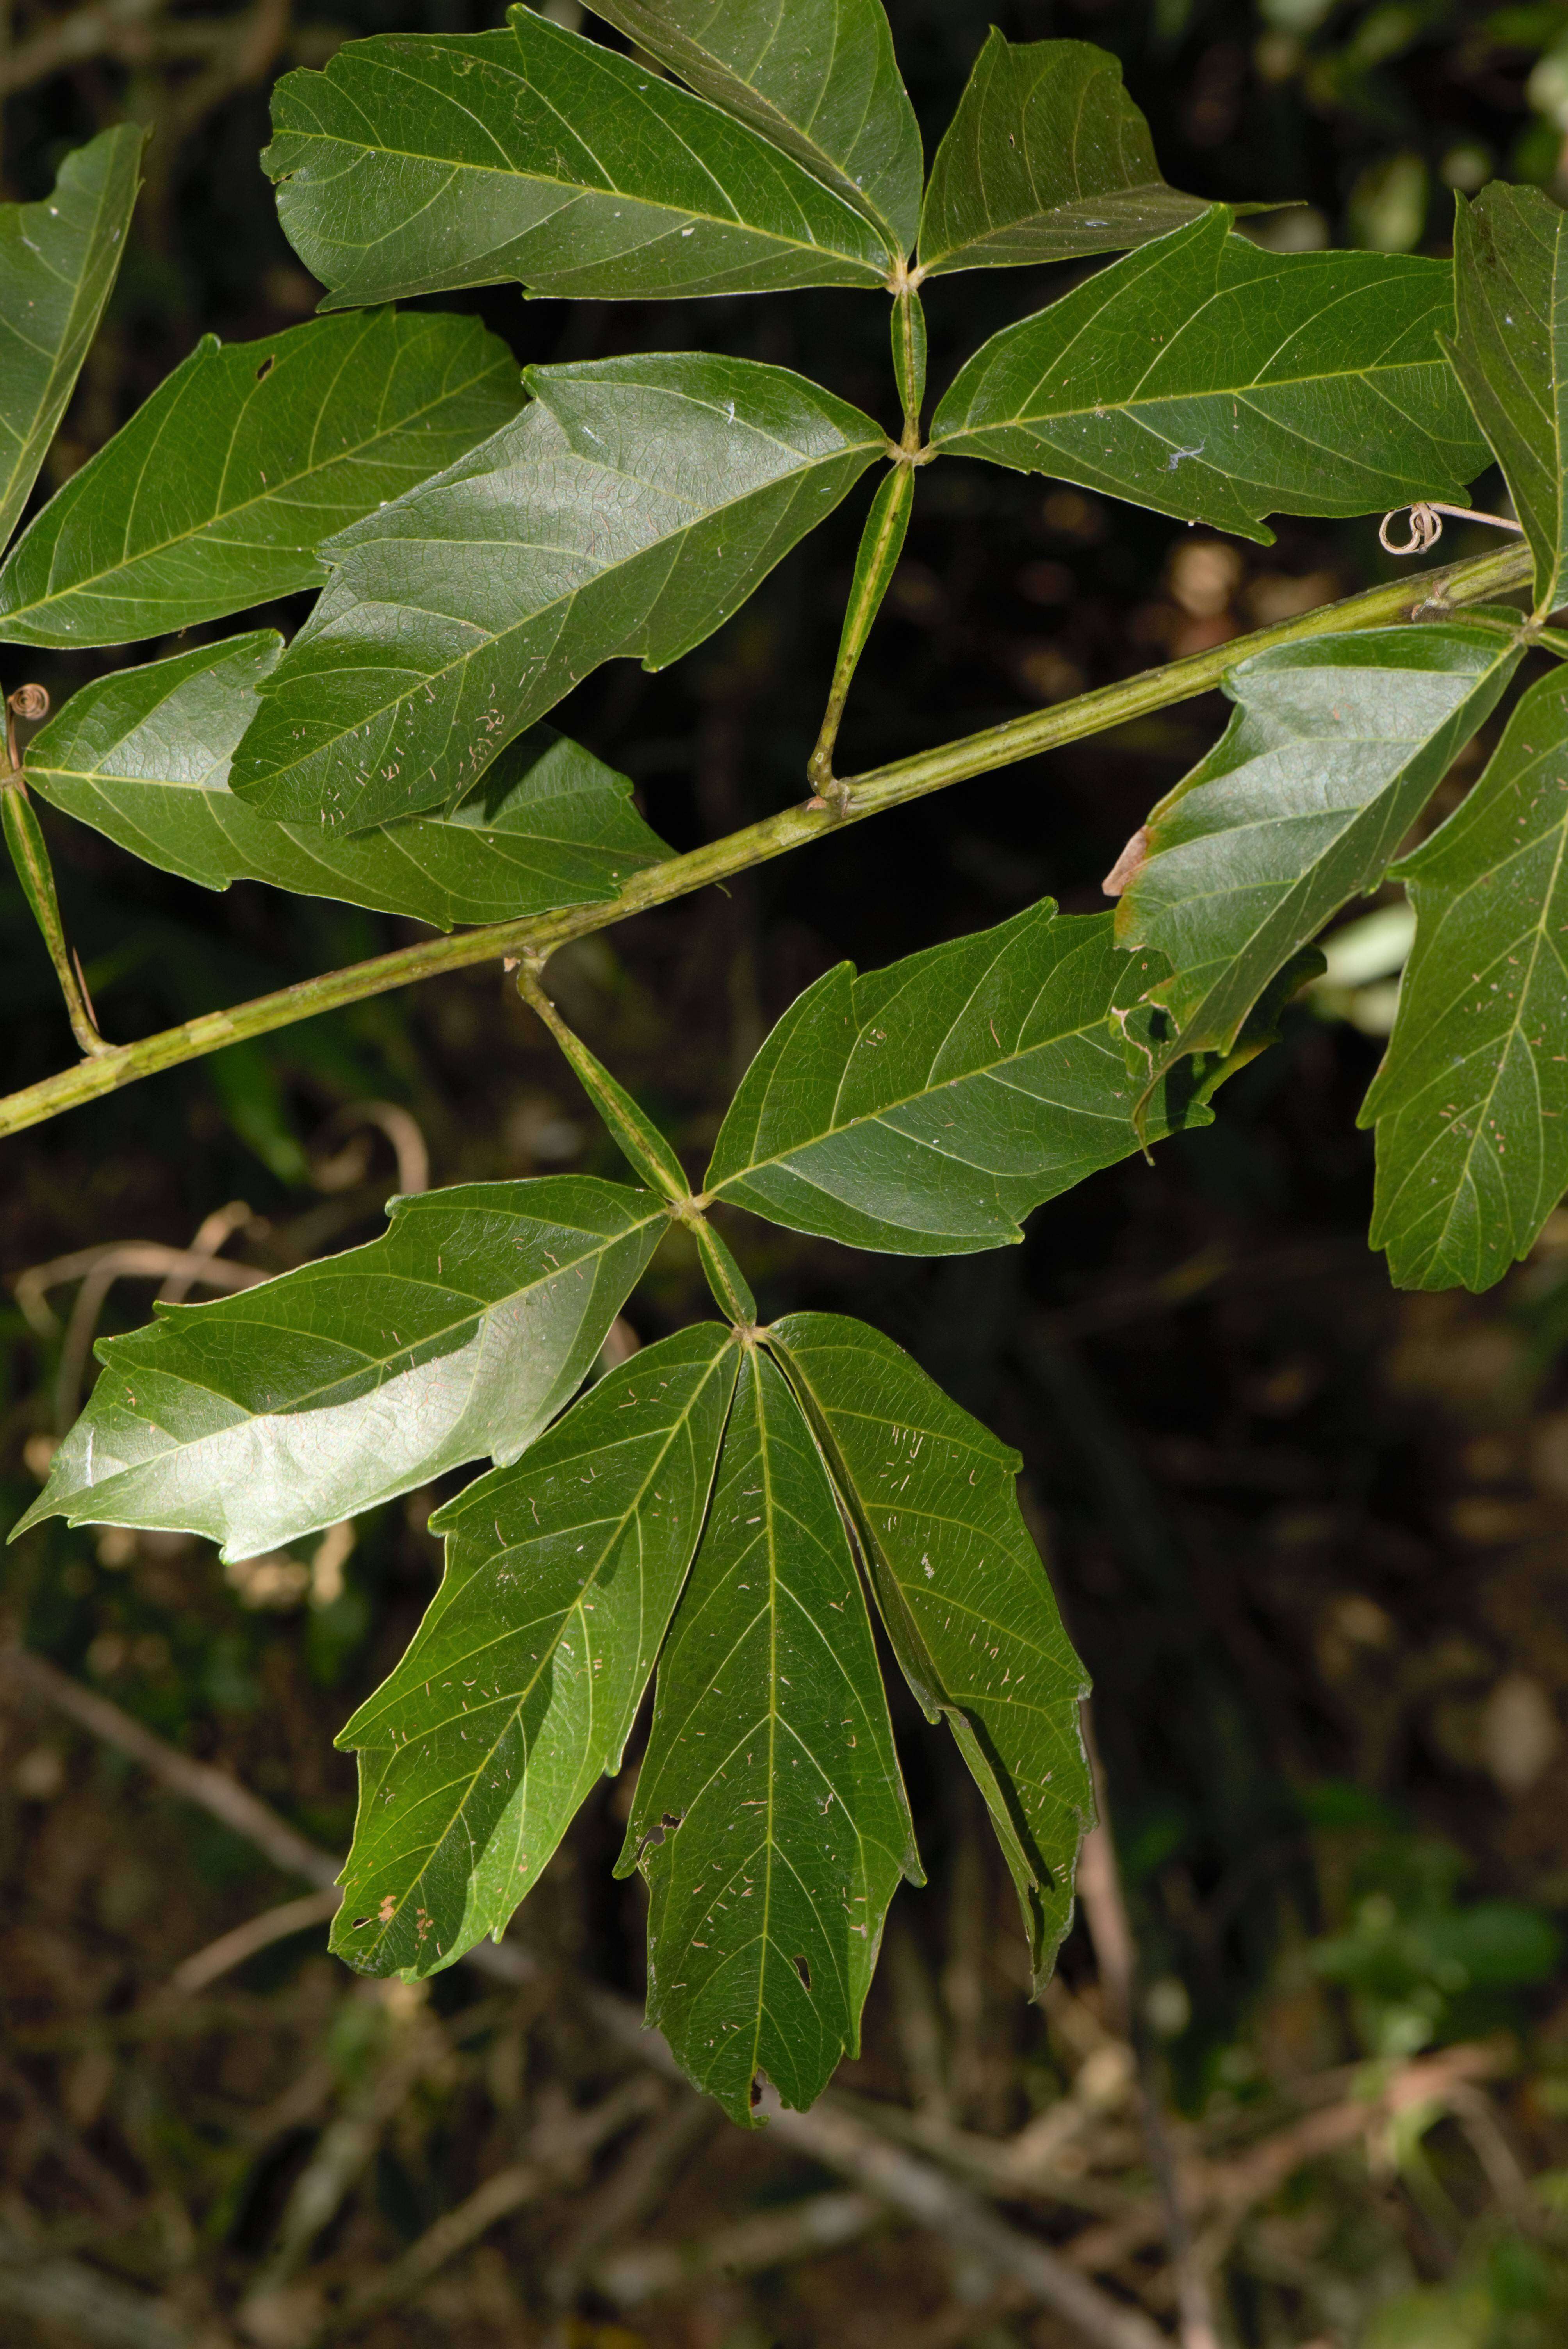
[(456, 1337), (817, 77), (217, 494), (629, 510), (144, 755), (924, 1109), (1045, 159), (770, 1820), (1214, 381), (422, 161), (1335, 746), (521, 1684), (59, 261), (1471, 1102), (1510, 352), (961, 1592)]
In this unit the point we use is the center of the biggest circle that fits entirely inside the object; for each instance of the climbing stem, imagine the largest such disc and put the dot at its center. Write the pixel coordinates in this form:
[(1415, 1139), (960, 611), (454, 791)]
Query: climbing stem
[(1428, 592)]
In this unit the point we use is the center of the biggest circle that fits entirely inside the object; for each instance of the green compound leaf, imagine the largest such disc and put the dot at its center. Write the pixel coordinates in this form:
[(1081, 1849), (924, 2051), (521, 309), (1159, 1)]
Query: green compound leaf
[(144, 757), (59, 262), (217, 494), (629, 510), (1045, 159), (924, 1109), (458, 1334), (1335, 747), (1211, 380), (1471, 1102), (521, 1684), (770, 1819), (427, 160), (961, 1589), (817, 77), (1510, 352)]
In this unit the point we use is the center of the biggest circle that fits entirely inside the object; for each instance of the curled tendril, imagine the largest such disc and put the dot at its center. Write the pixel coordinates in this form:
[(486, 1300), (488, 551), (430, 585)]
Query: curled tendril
[(1427, 526)]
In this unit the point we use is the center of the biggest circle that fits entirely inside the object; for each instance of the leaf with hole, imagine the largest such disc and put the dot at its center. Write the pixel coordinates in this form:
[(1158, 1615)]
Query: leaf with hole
[(217, 494), (59, 262), (457, 1335), (422, 161), (1335, 746), (519, 1686), (966, 1602), (1047, 159), (1471, 1102), (817, 77), (631, 508), (1208, 379), (143, 756), (924, 1109), (1509, 351), (769, 1819)]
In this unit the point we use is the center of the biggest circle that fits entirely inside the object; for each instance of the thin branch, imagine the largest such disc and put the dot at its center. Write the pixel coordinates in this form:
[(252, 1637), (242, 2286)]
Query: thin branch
[(204, 1967), (869, 794), (806, 2229)]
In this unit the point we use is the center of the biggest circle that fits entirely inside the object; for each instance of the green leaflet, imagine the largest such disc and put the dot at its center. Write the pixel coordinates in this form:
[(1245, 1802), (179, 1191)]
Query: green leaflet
[(817, 77), (924, 1109), (217, 494), (459, 1333), (1509, 351), (961, 1589), (1471, 1102), (1214, 381), (519, 1686), (629, 510), (143, 755), (770, 1820), (425, 159), (1335, 747), (1045, 159), (59, 261)]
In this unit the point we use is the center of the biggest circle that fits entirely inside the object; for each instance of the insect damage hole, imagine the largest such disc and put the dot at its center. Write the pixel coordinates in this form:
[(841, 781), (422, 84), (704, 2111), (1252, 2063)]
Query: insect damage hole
[(804, 1970), (266, 367), (666, 1827)]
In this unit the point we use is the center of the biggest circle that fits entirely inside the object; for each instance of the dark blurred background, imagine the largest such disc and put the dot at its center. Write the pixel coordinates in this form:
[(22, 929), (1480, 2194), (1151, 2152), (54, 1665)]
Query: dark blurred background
[(1309, 1535)]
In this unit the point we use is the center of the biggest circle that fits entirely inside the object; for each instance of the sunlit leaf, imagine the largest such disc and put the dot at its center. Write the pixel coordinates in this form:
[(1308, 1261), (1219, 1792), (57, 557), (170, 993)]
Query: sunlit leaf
[(817, 77), (770, 1818), (963, 1593), (1214, 381), (59, 261), (217, 494), (1335, 746), (455, 1337), (418, 160), (1510, 352), (927, 1108), (1045, 159), (521, 1684), (143, 755), (629, 510), (1471, 1102)]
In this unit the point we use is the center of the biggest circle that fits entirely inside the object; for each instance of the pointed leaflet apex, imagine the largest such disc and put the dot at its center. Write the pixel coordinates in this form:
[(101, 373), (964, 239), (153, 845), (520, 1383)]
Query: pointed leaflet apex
[(459, 1334), (629, 510), (817, 77), (59, 262), (770, 1820), (1334, 748), (1045, 159), (962, 1594), (519, 1686), (1211, 380), (1472, 1101), (144, 755), (925, 1109)]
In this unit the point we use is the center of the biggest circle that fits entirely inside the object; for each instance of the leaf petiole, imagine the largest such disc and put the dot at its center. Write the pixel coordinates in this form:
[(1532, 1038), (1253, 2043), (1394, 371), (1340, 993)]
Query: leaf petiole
[(30, 855)]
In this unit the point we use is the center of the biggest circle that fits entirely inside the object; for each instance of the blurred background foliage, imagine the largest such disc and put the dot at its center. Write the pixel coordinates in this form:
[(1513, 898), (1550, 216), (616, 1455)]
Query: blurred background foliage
[(1309, 1535)]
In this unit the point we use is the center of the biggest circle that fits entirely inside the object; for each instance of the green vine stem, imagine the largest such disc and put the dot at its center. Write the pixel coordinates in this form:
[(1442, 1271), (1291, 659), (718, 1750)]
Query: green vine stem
[(881, 543), (909, 361), (30, 855), (1457, 583), (723, 1276)]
